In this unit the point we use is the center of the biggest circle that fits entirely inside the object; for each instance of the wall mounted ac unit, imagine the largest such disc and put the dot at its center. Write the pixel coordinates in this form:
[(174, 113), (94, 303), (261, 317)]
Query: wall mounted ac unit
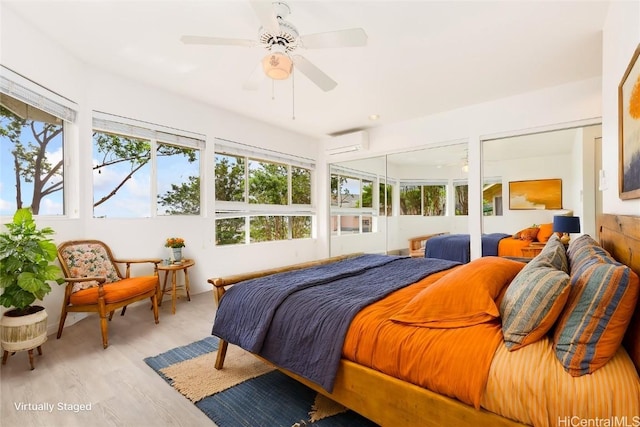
[(349, 142)]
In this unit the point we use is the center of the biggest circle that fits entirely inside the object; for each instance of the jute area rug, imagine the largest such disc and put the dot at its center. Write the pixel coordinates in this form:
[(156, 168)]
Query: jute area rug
[(247, 391)]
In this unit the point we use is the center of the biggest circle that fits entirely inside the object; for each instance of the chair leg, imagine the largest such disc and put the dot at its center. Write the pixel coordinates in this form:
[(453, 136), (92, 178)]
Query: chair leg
[(63, 317), (154, 305), (111, 315), (104, 327), (5, 356), (104, 324), (124, 309)]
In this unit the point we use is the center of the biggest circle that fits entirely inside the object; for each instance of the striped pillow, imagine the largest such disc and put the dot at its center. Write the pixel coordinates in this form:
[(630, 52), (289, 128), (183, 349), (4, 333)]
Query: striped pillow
[(586, 252), (532, 303), (591, 327), (554, 255)]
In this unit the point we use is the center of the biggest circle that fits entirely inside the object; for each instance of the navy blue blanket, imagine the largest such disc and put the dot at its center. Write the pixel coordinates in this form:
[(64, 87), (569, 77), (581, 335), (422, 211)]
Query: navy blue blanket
[(456, 247), (490, 243), (246, 321), (306, 332)]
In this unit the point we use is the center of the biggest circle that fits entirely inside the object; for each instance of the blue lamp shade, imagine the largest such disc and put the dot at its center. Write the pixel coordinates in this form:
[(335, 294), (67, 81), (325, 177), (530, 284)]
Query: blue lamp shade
[(566, 224)]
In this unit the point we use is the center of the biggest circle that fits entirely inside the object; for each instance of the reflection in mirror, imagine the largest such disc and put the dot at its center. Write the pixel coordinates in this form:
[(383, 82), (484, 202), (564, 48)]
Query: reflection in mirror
[(358, 206), (567, 154), (403, 195), (430, 194)]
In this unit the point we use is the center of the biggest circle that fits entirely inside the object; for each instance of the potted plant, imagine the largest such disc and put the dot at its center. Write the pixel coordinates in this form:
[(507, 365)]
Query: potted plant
[(176, 244), (26, 256)]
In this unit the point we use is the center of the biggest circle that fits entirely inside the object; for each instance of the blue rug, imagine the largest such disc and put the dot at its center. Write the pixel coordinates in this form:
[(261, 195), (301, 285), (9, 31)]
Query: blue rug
[(268, 399)]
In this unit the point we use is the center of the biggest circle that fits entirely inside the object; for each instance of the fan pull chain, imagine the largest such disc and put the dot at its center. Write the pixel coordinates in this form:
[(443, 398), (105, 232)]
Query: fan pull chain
[(273, 90)]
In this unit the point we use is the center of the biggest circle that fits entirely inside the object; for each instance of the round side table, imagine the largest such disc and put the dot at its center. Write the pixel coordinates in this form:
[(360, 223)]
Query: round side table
[(173, 270)]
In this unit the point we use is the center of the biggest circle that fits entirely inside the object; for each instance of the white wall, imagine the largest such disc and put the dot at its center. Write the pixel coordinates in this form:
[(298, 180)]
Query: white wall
[(621, 35)]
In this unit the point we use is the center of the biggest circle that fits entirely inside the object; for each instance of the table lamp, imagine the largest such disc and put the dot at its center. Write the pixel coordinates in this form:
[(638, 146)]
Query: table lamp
[(566, 225)]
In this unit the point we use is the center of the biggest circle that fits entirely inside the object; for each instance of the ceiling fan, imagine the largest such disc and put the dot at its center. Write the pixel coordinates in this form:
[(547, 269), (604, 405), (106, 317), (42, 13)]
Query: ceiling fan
[(281, 39)]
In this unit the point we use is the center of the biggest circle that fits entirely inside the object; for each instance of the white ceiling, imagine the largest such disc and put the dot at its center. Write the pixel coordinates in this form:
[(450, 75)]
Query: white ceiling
[(422, 57)]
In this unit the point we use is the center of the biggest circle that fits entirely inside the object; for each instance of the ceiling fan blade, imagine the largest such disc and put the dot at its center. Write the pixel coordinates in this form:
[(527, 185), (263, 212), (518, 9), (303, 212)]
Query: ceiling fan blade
[(342, 38), (255, 78), (314, 73), (266, 15), (217, 41)]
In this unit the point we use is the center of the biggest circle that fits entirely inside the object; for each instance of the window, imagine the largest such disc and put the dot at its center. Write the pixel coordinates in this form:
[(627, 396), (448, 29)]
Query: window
[(260, 196), (410, 199), (385, 200), (461, 193), (492, 197), (140, 169), (423, 199), (353, 195), (177, 180), (31, 149)]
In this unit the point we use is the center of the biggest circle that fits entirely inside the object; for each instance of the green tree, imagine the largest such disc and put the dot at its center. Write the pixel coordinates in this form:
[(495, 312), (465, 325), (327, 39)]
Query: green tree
[(434, 200), (300, 186), (367, 195), (112, 149), (30, 161), (462, 199), (183, 199), (386, 196), (230, 178), (230, 173), (339, 192), (268, 184), (410, 200), (229, 231)]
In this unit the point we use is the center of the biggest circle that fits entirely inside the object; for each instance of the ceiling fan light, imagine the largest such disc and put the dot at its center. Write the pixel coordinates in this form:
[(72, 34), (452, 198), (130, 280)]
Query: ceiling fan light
[(277, 65)]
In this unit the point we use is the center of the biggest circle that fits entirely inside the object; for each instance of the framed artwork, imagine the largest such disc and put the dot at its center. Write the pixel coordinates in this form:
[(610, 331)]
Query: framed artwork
[(629, 130), (535, 194)]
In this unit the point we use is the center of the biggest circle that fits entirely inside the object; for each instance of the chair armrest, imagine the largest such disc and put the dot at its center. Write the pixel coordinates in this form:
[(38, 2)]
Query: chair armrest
[(128, 262), (100, 280), (138, 260)]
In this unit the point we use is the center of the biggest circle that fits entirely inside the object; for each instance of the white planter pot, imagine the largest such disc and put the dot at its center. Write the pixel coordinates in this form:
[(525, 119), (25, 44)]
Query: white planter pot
[(21, 333)]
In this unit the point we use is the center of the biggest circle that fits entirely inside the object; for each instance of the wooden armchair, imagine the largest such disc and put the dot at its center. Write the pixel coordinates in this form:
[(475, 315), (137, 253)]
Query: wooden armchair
[(96, 284)]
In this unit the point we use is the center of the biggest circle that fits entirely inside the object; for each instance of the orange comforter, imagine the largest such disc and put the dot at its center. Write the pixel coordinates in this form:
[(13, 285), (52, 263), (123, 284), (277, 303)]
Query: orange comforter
[(512, 247), (437, 359)]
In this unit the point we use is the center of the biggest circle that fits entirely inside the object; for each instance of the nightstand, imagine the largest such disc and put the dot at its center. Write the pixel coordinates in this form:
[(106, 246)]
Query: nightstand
[(532, 250)]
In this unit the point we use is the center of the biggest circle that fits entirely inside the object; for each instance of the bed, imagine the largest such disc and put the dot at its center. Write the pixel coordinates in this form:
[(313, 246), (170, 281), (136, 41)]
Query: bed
[(399, 396), (456, 247)]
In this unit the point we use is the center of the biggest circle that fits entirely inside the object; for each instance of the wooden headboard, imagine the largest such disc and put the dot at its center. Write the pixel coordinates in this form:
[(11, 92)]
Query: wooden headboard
[(620, 236)]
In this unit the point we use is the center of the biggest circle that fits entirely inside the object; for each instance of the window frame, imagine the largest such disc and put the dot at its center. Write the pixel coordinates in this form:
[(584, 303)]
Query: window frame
[(156, 135), (336, 213), (244, 209), (421, 184), (32, 94)]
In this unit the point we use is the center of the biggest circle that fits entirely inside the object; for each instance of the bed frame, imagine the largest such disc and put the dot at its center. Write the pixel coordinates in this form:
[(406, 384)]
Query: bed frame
[(389, 401)]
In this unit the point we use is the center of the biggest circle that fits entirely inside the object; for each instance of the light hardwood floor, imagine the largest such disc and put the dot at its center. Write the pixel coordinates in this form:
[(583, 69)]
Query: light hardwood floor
[(121, 388)]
